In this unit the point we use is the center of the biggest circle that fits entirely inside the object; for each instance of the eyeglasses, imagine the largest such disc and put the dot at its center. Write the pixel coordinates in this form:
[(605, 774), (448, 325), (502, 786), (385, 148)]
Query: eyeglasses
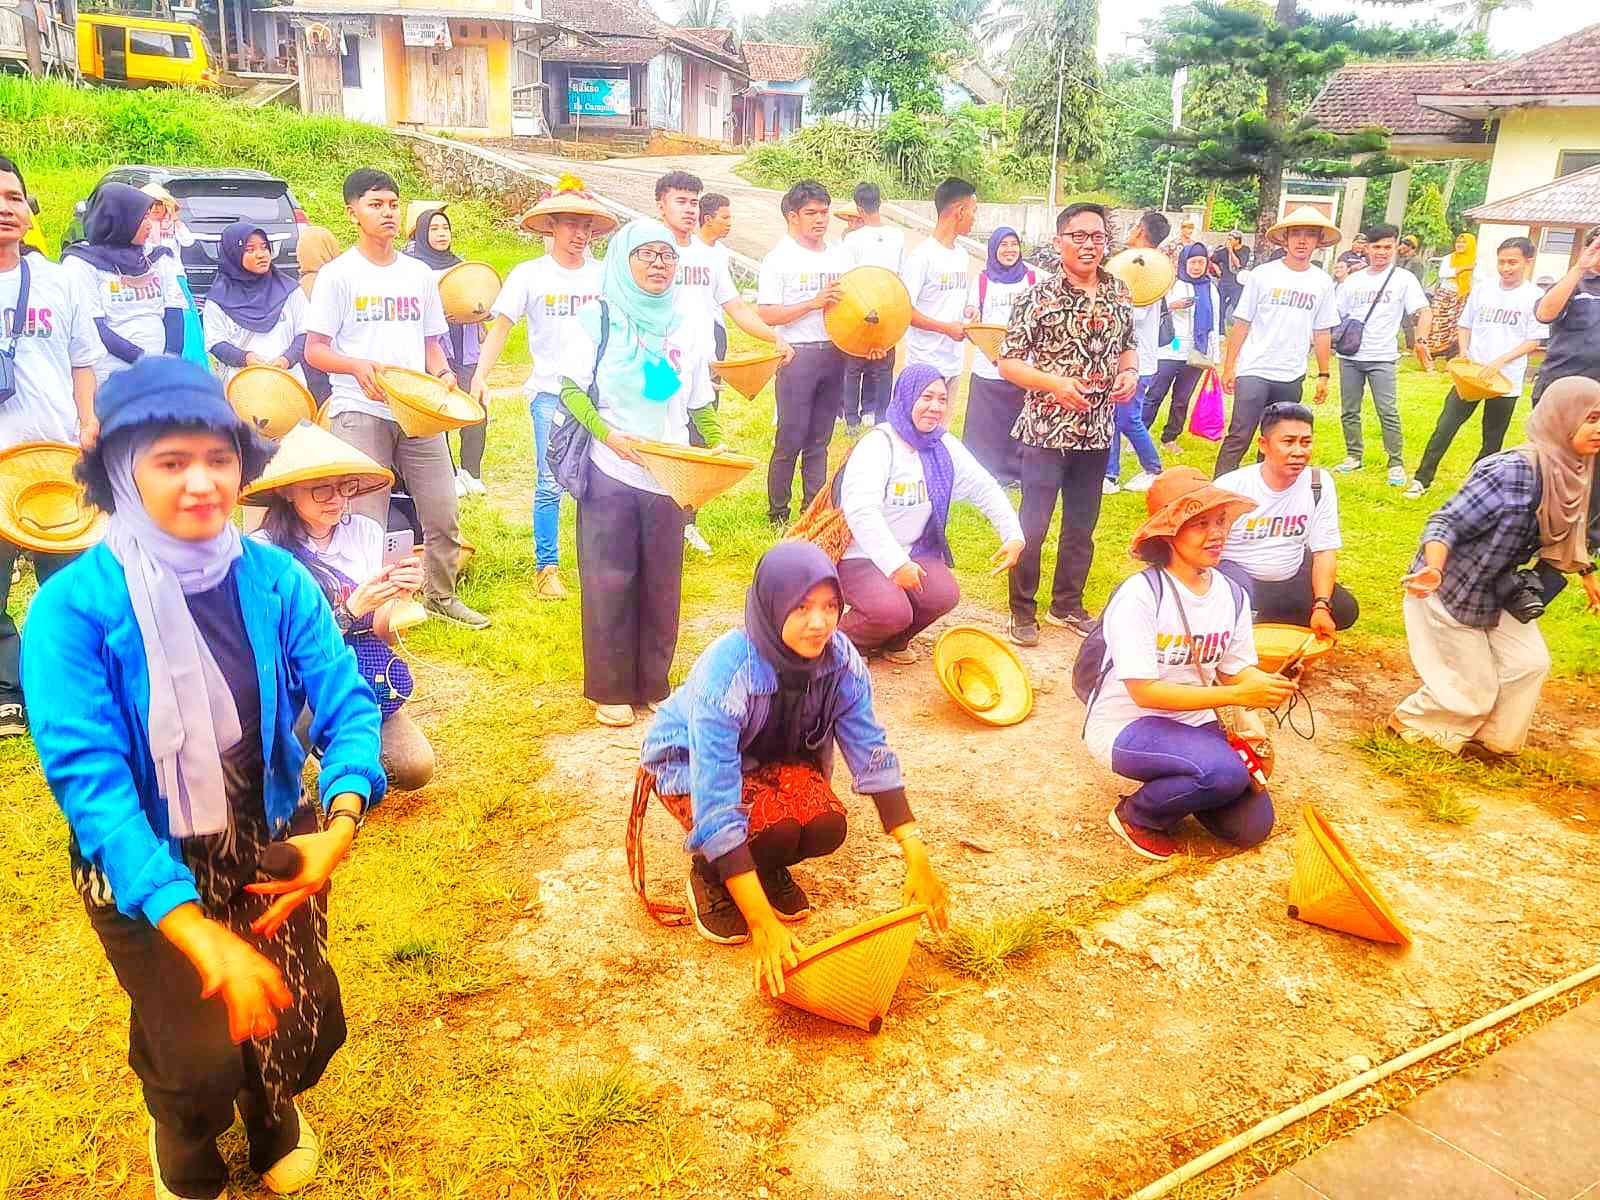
[(345, 489), (665, 257), (1078, 238)]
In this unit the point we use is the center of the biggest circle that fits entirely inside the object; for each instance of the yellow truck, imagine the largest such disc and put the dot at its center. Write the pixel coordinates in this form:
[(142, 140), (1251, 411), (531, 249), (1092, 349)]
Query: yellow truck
[(132, 51)]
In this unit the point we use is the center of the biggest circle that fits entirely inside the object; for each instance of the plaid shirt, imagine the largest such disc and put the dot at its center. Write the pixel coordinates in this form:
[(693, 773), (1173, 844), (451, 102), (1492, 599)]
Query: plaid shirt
[(1491, 527), (1057, 328)]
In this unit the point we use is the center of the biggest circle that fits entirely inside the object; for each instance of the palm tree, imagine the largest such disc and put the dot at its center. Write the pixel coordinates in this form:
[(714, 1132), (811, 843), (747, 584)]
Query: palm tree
[(1011, 21), (703, 14)]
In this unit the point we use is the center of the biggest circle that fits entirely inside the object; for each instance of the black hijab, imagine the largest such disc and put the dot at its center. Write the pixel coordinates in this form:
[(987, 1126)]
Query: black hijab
[(115, 213), (796, 727), (252, 301), (439, 260)]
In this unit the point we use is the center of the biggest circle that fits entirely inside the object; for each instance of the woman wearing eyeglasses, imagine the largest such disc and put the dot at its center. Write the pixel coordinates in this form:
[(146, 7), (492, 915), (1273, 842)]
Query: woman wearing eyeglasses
[(630, 374), (307, 488)]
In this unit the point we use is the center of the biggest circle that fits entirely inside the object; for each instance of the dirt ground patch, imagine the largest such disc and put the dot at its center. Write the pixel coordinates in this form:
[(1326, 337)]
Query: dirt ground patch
[(1094, 1066)]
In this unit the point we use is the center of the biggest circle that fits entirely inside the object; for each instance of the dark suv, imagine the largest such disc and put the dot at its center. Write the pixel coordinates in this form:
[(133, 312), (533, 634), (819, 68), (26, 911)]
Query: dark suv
[(209, 200)]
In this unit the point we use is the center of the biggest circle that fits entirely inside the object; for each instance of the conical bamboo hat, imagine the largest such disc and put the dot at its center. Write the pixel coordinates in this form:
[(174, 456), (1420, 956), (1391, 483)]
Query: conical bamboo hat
[(271, 399), (1328, 888), (852, 976), (309, 453), (987, 338), (747, 374), (1149, 274), (467, 291), (42, 506), (983, 675), (423, 405)]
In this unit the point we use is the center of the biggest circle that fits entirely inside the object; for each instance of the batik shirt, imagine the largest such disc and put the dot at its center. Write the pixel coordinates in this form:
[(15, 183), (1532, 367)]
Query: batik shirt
[(1082, 335)]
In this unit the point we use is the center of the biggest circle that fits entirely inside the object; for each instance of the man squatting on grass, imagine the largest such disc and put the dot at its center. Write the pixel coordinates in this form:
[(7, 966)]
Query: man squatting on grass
[(374, 307)]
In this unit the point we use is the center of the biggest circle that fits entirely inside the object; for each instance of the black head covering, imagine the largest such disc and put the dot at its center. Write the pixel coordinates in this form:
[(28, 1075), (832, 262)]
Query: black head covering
[(115, 213), (796, 727), (253, 301), (439, 260)]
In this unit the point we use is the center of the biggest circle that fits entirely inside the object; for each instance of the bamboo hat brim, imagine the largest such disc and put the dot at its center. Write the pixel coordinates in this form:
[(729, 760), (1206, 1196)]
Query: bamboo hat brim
[(691, 476), (42, 506), (541, 217), (423, 405), (270, 399), (983, 675), (1275, 642), (1305, 217), (1473, 381), (309, 453)]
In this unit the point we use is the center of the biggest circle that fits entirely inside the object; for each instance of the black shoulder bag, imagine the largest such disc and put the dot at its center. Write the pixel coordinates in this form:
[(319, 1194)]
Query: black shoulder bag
[(567, 455), (1347, 334), (8, 356)]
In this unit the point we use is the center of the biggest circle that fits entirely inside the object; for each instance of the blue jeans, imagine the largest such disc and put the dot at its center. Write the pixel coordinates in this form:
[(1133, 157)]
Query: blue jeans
[(1130, 423), (1190, 771), (546, 491)]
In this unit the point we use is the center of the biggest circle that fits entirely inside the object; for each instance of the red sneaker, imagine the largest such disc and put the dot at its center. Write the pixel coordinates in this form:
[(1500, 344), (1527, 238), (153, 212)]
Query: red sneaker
[(1150, 843)]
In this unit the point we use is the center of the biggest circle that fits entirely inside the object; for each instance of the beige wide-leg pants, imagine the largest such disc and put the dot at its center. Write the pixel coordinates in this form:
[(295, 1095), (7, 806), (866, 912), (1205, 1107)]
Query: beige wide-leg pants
[(1477, 684)]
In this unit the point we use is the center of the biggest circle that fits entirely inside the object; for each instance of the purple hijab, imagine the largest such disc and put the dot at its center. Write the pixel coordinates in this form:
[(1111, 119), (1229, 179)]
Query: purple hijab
[(797, 725), (997, 272), (937, 469), (253, 301), (115, 213)]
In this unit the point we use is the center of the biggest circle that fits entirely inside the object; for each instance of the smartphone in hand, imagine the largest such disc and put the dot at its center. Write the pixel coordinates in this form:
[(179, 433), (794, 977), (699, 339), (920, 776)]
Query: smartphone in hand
[(398, 545)]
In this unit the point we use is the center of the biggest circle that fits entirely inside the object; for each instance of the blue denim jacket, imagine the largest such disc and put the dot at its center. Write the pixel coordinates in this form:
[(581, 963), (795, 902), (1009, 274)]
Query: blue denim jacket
[(697, 741), (87, 685)]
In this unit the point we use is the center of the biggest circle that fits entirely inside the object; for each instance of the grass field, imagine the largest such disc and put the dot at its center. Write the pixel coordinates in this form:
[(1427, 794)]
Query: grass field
[(420, 1104)]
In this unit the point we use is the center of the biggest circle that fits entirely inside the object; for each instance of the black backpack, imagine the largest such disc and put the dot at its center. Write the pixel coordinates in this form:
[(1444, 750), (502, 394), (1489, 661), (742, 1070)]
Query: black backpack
[(1094, 664)]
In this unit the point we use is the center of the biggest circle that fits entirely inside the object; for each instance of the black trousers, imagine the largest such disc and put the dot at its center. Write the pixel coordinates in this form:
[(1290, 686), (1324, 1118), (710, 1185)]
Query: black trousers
[(44, 566), (1077, 477), (1289, 600), (866, 387), (1181, 379), (1457, 412), (1251, 395), (993, 406), (808, 404), (630, 580)]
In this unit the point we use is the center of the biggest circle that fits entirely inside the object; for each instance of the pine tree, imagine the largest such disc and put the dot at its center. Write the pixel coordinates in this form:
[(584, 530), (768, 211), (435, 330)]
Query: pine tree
[(1287, 52)]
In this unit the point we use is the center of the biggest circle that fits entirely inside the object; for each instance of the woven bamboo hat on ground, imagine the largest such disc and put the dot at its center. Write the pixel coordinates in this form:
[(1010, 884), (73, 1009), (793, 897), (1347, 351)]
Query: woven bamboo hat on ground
[(309, 453), (1474, 381), (1305, 217), (747, 374), (1180, 494), (987, 338), (1149, 274), (42, 506), (983, 675), (423, 405), (271, 399), (852, 976), (692, 476), (1329, 889), (1276, 642), (468, 291), (570, 198)]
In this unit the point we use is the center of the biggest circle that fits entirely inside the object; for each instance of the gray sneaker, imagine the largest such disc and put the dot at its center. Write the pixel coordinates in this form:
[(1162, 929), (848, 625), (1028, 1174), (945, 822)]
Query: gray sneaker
[(452, 609), (1023, 635), (13, 721)]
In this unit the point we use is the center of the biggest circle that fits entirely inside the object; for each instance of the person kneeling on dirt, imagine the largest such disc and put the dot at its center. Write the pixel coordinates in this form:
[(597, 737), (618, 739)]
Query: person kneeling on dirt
[(895, 493), (1285, 551), (1471, 605), (742, 752), (1178, 645)]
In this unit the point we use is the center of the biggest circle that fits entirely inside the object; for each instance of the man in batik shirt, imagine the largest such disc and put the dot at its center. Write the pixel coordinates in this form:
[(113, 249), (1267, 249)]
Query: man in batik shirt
[(1070, 346)]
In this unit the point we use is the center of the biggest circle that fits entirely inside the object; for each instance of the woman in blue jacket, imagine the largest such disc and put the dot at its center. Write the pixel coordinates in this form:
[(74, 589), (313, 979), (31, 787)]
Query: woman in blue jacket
[(741, 755), (164, 670)]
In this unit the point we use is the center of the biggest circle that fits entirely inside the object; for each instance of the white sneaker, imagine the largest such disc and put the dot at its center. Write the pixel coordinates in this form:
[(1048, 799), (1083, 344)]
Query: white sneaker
[(618, 716), (474, 484), (695, 539), (163, 1192), (1140, 482), (296, 1169), (1416, 490), (1110, 487), (461, 485), (1397, 477)]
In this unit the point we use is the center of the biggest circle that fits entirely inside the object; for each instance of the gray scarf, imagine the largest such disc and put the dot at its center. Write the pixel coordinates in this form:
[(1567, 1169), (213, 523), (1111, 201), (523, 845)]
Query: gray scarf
[(193, 718)]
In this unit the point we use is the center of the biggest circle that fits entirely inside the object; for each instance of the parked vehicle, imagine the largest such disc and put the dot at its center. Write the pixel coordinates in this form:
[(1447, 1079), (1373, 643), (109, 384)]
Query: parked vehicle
[(143, 52), (209, 200)]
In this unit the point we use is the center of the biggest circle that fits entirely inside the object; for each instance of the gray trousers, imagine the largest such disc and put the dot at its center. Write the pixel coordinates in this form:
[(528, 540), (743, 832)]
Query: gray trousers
[(1380, 377), (424, 463)]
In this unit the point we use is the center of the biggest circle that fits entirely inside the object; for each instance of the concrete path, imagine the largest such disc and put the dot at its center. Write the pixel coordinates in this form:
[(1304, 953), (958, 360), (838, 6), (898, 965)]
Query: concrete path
[(1520, 1126)]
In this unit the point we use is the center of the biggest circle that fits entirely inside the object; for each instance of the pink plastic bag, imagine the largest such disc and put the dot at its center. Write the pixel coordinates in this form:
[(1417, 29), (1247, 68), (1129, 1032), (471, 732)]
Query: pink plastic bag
[(1207, 418)]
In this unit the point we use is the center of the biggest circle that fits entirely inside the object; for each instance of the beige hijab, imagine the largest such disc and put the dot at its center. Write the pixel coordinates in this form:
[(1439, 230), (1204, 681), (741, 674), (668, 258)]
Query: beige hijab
[(315, 250), (1565, 475)]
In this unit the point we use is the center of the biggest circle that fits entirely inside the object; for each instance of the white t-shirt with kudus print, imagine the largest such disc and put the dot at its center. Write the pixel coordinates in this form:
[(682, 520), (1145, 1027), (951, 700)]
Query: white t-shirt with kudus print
[(936, 279), (703, 284), (1147, 642), (54, 335), (546, 295), (1270, 541), (1284, 308), (790, 275), (1499, 318), (134, 307), (385, 314)]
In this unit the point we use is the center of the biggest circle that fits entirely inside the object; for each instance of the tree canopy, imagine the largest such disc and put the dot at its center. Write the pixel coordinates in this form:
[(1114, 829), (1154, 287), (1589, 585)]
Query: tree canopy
[(886, 53)]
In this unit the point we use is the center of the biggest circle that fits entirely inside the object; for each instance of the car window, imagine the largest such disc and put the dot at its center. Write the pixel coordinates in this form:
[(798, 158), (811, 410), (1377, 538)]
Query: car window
[(162, 45), (221, 202)]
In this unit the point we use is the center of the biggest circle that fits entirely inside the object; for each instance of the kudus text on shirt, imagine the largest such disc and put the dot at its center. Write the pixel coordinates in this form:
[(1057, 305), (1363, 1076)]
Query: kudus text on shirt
[(387, 308)]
